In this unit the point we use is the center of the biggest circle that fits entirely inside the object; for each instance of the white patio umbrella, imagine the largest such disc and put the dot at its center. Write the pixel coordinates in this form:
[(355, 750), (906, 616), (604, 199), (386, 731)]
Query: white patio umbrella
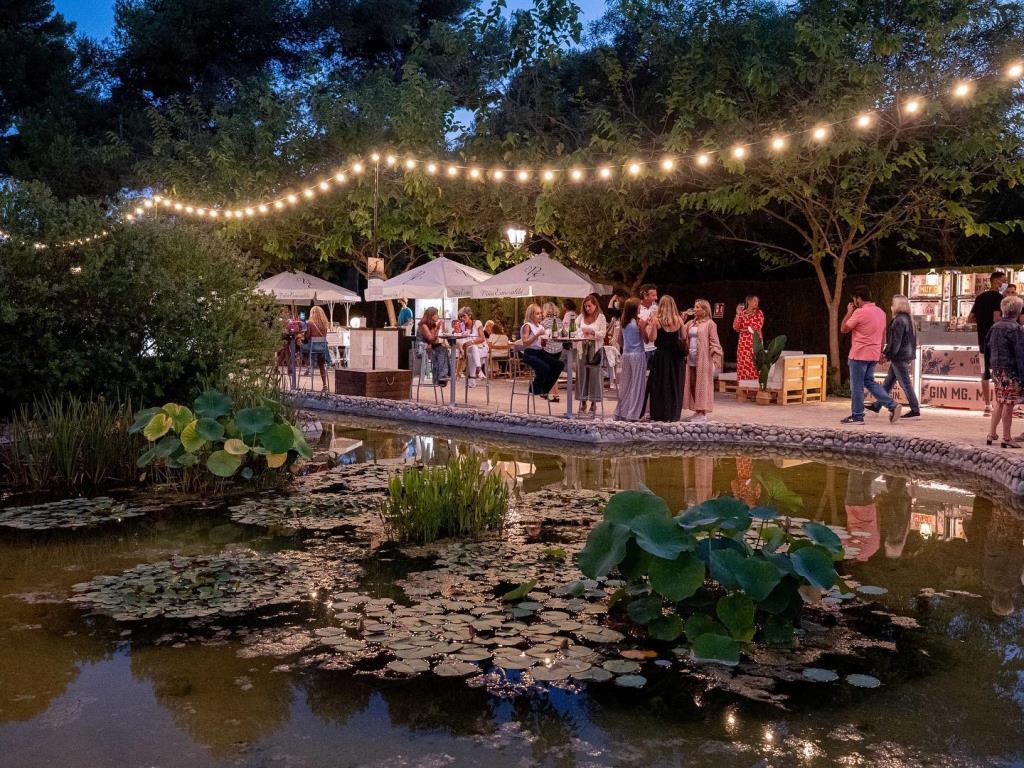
[(539, 276), (439, 277), (301, 288)]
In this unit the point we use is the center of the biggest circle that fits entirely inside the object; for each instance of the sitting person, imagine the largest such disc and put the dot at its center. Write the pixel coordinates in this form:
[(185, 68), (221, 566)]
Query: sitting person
[(473, 348), (429, 334), (547, 366)]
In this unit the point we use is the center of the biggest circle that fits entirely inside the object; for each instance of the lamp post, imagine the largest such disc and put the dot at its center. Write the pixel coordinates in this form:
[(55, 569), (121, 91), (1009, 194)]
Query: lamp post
[(516, 238)]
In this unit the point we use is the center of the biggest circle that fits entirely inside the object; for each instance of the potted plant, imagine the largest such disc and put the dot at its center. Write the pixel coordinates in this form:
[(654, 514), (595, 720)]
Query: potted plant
[(764, 359)]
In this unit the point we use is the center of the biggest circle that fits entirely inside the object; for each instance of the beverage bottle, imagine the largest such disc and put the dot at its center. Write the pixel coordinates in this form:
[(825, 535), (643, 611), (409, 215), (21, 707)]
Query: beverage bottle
[(572, 324)]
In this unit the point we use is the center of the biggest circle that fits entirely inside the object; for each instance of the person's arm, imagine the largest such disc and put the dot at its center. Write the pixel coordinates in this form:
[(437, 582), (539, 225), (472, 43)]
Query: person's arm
[(972, 316), (757, 321), (600, 326), (738, 323), (849, 322), (717, 354), (527, 337)]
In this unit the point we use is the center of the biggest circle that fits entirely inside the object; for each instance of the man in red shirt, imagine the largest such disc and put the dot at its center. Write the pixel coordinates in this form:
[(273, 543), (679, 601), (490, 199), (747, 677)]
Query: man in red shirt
[(867, 324)]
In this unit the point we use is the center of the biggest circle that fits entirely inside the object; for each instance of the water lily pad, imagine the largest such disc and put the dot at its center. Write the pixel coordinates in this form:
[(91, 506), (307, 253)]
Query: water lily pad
[(819, 675), (455, 668), (70, 514), (863, 681), (870, 590), (621, 666), (631, 681)]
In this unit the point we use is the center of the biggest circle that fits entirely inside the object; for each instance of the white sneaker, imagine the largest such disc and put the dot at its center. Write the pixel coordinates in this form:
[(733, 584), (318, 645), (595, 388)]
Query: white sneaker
[(700, 418), (472, 382)]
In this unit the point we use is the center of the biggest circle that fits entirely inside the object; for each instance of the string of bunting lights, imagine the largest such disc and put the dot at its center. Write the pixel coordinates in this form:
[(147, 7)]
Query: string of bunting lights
[(906, 107)]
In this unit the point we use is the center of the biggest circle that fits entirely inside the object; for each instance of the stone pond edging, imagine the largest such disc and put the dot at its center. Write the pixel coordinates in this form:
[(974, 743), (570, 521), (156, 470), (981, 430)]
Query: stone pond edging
[(933, 454)]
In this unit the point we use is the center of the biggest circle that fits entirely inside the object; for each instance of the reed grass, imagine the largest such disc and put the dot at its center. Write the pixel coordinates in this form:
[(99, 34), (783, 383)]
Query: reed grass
[(456, 500)]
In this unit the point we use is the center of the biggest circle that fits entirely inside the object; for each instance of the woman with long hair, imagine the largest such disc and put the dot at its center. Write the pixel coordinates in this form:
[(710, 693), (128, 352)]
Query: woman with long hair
[(703, 358), (590, 381), (1005, 345), (546, 366), (317, 329), (428, 334), (665, 383), (633, 376), (900, 349)]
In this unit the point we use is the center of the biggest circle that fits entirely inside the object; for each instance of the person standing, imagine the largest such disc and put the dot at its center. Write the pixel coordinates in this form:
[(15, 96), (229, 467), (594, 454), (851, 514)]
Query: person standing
[(866, 322), (703, 356), (900, 349), (405, 316), (749, 319), (665, 383), (632, 378), (1005, 345), (590, 381), (648, 307), (984, 314), (317, 329)]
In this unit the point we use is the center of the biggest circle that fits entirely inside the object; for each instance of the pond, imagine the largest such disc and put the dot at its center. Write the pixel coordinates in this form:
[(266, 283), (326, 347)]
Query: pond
[(279, 674)]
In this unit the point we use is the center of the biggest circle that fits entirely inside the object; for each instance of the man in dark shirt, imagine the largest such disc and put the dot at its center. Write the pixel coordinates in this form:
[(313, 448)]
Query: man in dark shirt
[(985, 312)]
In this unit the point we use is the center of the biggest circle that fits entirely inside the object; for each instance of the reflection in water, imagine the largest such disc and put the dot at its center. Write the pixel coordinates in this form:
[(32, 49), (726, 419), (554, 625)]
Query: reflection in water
[(910, 536)]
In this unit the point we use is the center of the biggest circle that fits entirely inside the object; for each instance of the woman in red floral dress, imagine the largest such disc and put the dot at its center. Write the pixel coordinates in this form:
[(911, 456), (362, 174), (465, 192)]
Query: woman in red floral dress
[(748, 319)]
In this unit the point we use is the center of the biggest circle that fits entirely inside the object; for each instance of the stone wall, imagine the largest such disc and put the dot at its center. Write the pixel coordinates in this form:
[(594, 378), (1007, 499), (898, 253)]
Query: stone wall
[(995, 467)]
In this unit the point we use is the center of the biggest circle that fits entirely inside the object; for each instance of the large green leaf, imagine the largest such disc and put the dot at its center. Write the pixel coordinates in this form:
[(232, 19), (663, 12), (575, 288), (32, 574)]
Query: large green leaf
[(677, 579), (146, 457), (518, 593), (724, 565), (814, 563), (712, 513), (606, 546), (191, 439), (142, 418), (626, 505), (736, 612), (778, 630), (301, 446), (658, 534), (757, 577), (666, 628), (636, 563), (213, 404), (167, 445), (702, 624), (784, 597), (278, 438), (235, 447), (209, 429), (158, 426), (223, 464), (825, 537), (716, 648), (779, 494), (772, 537), (252, 421), (180, 415), (645, 609)]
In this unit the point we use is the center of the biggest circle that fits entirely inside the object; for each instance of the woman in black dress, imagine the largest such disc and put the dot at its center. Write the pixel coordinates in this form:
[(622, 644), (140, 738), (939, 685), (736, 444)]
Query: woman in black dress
[(665, 382)]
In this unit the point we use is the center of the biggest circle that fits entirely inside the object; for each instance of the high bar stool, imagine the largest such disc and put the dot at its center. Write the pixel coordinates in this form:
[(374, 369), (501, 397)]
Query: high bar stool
[(420, 363), (531, 398)]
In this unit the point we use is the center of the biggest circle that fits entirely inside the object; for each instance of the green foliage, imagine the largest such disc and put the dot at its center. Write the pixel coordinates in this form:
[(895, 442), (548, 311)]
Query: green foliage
[(254, 440), (68, 442), (455, 500), (152, 312), (766, 357), (717, 563)]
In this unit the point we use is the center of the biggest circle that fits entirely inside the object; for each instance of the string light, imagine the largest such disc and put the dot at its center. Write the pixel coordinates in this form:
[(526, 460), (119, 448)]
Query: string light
[(357, 167), (453, 171), (703, 160), (474, 173), (605, 172), (375, 157), (523, 175), (1014, 71), (576, 174), (498, 174), (865, 119), (548, 175), (820, 133), (634, 169), (667, 164), (410, 164), (390, 160), (431, 168), (739, 151), (778, 143), (963, 89), (912, 107)]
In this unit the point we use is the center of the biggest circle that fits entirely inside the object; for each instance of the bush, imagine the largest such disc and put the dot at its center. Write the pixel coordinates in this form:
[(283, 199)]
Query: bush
[(728, 573), (69, 442), (455, 500), (154, 310), (215, 435)]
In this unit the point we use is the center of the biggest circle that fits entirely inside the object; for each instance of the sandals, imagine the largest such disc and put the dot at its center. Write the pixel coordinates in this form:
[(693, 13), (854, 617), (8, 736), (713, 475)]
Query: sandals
[(1008, 444)]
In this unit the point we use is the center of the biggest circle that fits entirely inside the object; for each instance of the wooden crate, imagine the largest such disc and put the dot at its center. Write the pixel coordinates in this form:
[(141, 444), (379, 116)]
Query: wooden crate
[(390, 383)]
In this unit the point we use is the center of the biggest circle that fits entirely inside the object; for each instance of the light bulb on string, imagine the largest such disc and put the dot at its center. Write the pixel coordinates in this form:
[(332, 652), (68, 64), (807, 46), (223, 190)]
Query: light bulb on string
[(865, 120), (293, 199), (605, 172), (249, 211), (548, 175), (523, 175), (778, 143), (453, 171), (912, 106), (410, 164), (147, 203), (431, 168), (189, 209), (324, 185), (498, 174), (963, 89), (340, 178), (703, 160), (390, 160), (214, 213), (357, 167), (668, 164), (375, 157), (1015, 70), (576, 174), (278, 204), (263, 209), (820, 133), (634, 169), (308, 192), (177, 206), (739, 151), (139, 211), (474, 173)]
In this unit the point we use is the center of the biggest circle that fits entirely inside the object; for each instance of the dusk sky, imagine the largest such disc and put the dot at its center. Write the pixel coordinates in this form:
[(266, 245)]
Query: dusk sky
[(96, 17)]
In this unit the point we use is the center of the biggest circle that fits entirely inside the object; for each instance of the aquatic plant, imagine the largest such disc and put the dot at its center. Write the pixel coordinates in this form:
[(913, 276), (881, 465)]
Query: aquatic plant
[(246, 441), (721, 573), (458, 499), (69, 442)]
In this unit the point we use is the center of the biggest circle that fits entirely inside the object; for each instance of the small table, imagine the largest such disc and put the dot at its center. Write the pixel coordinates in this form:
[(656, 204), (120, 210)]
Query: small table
[(571, 343), (453, 340)]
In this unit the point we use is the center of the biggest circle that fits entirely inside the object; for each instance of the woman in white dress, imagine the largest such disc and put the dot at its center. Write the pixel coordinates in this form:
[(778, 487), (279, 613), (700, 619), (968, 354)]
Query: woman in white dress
[(590, 324), (475, 347)]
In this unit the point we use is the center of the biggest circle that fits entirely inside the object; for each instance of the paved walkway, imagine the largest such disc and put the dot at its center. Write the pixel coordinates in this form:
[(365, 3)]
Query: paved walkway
[(963, 427)]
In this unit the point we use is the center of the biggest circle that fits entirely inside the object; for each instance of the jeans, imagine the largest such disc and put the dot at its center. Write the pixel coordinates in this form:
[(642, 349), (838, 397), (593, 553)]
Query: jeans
[(862, 376), (546, 367), (899, 370)]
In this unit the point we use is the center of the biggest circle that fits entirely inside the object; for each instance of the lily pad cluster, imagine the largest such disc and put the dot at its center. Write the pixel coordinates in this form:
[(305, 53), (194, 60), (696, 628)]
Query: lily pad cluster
[(221, 585), (725, 572), (224, 440), (68, 514), (308, 512)]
